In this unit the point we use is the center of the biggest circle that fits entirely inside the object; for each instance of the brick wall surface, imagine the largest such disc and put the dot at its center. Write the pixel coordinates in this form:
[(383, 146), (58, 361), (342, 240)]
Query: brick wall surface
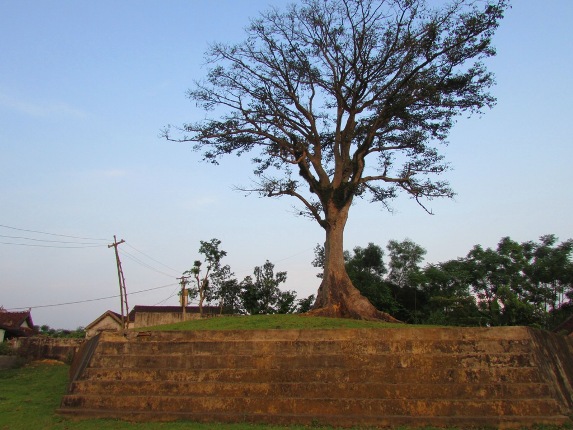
[(508, 377), (37, 348)]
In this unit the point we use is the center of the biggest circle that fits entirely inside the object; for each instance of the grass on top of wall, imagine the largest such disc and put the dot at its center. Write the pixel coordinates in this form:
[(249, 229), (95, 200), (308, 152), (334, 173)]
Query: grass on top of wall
[(269, 322)]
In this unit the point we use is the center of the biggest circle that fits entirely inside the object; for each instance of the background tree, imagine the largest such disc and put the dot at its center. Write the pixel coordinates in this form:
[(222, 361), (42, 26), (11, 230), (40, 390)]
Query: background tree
[(304, 305), (355, 97), (366, 269), (367, 261), (405, 258), (529, 283), (46, 330), (213, 270), (226, 290), (286, 302), (261, 293), (319, 259), (522, 283), (449, 300), (498, 279), (485, 278), (551, 277)]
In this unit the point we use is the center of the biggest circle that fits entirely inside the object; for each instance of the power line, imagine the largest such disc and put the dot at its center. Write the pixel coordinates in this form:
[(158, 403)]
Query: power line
[(51, 234), (151, 258), (171, 295), (48, 240), (142, 263), (91, 300), (51, 246), (294, 255)]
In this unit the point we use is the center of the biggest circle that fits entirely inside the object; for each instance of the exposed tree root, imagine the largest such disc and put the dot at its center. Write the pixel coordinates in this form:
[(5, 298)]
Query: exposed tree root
[(334, 311), (338, 298)]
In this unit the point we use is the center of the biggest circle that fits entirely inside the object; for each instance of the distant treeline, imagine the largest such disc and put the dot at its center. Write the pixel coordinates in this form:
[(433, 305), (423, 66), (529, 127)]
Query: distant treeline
[(46, 330), (529, 283), (211, 282)]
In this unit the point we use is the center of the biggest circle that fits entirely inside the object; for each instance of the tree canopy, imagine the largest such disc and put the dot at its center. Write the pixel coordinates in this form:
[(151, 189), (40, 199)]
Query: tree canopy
[(528, 283), (208, 282), (212, 282), (342, 99)]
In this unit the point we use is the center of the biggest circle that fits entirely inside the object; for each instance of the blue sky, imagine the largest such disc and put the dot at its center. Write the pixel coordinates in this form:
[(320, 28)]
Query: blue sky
[(86, 87)]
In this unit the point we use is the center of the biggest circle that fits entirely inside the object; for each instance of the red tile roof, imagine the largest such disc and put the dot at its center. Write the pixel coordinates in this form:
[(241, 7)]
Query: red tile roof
[(15, 319), (12, 322)]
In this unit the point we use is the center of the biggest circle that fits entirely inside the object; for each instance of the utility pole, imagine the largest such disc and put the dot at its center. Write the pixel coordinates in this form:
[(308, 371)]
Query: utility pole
[(122, 290), (183, 281)]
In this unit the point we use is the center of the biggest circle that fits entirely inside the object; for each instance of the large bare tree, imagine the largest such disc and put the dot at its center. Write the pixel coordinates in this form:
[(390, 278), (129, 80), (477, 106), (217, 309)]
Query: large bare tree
[(339, 99)]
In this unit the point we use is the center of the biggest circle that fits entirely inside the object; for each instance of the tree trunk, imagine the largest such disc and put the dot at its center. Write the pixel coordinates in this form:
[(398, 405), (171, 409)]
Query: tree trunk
[(201, 298), (336, 296)]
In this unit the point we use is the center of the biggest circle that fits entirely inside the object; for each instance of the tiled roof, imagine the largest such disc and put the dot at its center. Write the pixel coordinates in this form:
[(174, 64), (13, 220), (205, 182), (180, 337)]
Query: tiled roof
[(112, 314), (12, 323), (14, 320)]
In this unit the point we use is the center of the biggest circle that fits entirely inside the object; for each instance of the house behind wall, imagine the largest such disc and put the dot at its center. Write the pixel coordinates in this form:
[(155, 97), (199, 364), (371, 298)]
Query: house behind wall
[(15, 324), (147, 316), (108, 321)]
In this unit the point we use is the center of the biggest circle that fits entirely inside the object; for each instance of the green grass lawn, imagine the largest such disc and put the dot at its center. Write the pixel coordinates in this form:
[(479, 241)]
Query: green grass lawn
[(266, 322)]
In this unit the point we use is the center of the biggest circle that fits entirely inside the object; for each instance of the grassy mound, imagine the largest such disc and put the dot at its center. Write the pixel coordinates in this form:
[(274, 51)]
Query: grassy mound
[(269, 322)]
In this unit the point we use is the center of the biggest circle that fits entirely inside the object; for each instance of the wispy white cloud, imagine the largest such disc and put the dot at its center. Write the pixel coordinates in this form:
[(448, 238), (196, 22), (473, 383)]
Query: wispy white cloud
[(41, 108)]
